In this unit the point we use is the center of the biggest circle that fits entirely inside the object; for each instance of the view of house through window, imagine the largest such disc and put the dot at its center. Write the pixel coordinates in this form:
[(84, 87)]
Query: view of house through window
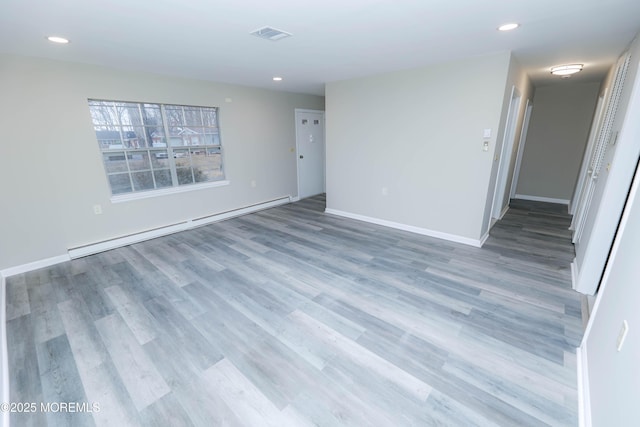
[(152, 146)]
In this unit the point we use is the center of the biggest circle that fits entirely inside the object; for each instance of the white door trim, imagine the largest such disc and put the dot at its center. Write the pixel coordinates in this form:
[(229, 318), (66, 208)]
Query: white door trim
[(592, 251), (523, 140), (506, 148), (588, 153), (324, 154), (584, 207)]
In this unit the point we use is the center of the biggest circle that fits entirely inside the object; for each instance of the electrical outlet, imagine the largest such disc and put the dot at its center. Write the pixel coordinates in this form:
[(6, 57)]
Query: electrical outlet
[(385, 191), (97, 209), (253, 183)]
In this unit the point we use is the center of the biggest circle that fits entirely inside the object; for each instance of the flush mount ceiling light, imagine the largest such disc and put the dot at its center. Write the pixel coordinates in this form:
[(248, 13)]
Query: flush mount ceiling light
[(508, 27), (59, 40), (566, 70), (269, 33), (277, 79)]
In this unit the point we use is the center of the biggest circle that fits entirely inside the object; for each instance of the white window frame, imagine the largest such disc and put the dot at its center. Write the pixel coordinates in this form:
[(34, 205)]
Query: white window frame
[(168, 147)]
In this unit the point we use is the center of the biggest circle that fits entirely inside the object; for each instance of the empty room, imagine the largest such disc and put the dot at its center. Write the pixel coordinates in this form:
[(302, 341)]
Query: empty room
[(363, 213)]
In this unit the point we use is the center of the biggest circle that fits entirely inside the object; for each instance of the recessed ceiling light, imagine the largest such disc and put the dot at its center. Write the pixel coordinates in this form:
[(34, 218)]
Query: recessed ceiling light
[(277, 79), (566, 70), (508, 27), (56, 39)]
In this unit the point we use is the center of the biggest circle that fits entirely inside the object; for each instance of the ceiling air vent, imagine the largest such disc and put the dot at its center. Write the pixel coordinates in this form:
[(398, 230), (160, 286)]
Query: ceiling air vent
[(269, 33)]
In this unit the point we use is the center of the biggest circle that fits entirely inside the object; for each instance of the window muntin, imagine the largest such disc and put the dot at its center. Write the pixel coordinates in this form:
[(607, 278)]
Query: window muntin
[(152, 146)]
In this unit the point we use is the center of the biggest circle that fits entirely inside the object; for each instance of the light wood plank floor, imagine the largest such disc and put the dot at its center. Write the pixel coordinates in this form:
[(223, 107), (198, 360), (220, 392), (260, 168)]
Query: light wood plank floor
[(291, 317)]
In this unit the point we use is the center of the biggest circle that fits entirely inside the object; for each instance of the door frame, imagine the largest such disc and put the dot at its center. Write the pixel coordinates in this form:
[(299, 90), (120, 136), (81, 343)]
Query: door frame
[(324, 149), (594, 244), (602, 146), (523, 140), (596, 123), (506, 150)]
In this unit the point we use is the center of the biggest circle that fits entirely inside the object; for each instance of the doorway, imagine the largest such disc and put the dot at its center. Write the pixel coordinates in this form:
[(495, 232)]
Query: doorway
[(523, 139), (310, 152), (504, 161)]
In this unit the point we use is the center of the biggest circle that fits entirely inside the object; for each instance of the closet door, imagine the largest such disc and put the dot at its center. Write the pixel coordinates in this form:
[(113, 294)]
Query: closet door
[(605, 140)]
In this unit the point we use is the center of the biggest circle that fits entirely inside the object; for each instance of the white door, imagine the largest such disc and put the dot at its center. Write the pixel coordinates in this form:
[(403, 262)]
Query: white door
[(611, 176), (506, 151), (603, 145), (588, 154), (310, 152)]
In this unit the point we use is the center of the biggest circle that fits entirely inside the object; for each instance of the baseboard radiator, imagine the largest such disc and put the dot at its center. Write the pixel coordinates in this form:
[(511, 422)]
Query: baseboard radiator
[(117, 242)]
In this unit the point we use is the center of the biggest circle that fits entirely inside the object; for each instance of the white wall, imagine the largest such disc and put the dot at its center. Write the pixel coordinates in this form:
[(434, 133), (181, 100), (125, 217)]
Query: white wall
[(613, 377), (51, 171), (417, 134), (556, 140), (611, 188)]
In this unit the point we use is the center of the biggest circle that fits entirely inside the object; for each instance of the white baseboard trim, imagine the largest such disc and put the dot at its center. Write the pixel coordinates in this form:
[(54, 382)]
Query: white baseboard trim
[(118, 242), (410, 228), (35, 265), (504, 212), (584, 398), (4, 356), (493, 221), (542, 199), (294, 199), (574, 273), (483, 239), (585, 311)]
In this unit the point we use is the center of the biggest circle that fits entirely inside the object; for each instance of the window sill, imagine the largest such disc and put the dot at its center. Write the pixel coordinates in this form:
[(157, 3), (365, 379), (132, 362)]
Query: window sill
[(120, 198)]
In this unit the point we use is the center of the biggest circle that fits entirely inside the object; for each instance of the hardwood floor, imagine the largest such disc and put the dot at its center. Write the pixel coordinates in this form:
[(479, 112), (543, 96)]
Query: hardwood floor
[(290, 317)]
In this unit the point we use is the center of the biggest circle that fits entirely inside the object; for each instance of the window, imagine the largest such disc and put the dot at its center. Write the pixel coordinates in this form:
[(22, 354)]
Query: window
[(154, 146)]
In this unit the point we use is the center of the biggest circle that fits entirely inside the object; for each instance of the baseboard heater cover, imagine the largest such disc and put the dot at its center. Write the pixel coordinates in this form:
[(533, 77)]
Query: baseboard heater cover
[(105, 245)]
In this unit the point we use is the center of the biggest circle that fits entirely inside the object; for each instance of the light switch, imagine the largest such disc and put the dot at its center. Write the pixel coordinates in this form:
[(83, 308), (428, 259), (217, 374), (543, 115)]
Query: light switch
[(486, 133), (485, 146)]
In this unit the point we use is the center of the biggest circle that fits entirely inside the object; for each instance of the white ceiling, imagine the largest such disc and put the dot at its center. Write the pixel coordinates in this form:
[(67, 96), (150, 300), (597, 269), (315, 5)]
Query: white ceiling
[(332, 39)]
